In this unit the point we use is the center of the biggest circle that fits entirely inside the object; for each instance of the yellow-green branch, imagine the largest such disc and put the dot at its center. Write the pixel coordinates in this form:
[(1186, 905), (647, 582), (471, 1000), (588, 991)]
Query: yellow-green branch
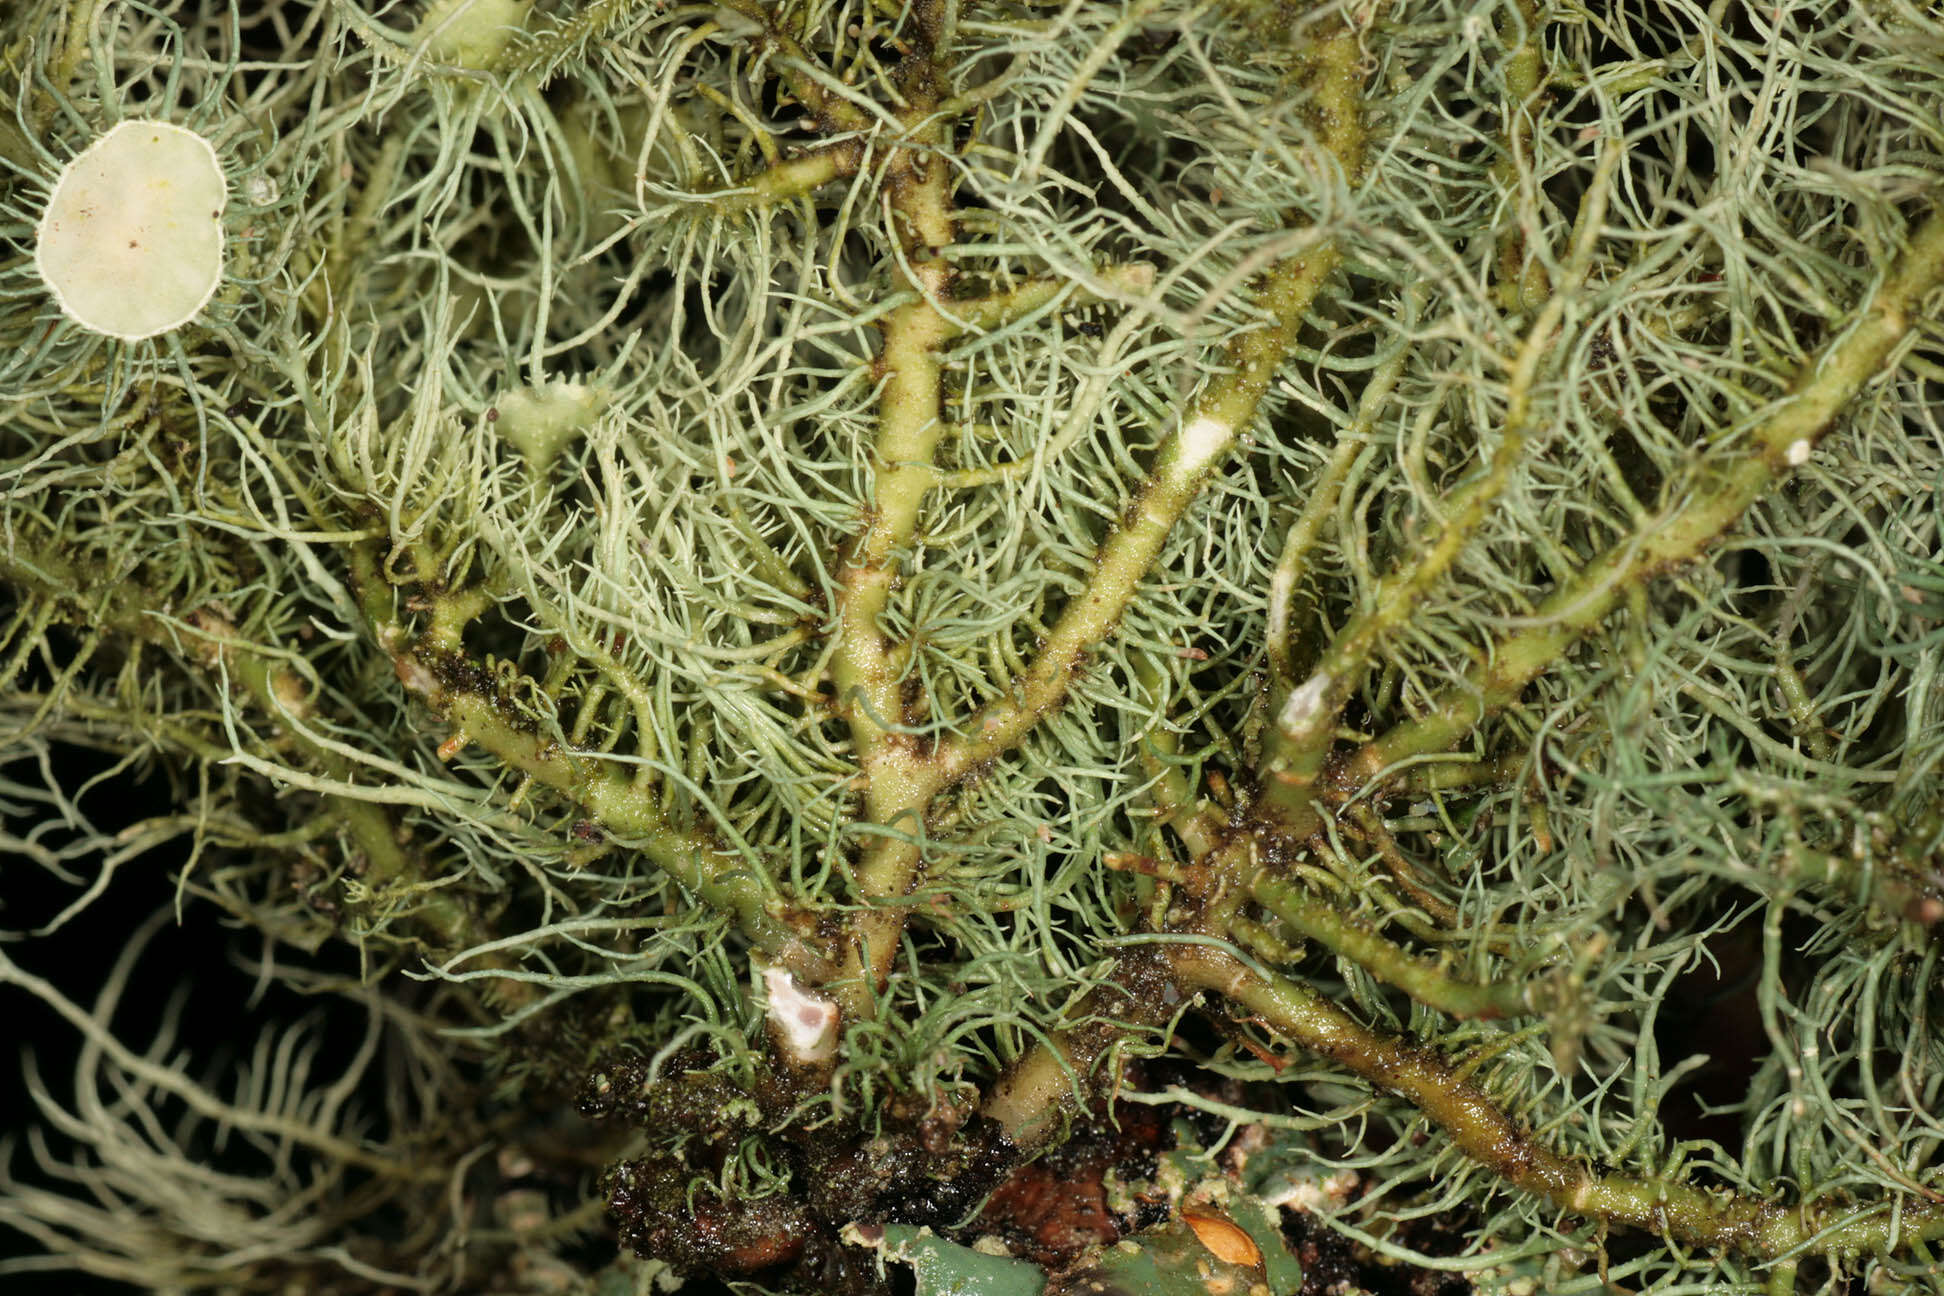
[(1480, 1128), (1305, 719), (1426, 980), (1200, 440), (1719, 491), (867, 668)]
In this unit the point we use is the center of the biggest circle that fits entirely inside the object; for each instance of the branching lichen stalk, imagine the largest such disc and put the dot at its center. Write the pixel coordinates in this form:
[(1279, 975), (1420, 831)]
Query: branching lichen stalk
[(1715, 491), (1479, 1127), (850, 589)]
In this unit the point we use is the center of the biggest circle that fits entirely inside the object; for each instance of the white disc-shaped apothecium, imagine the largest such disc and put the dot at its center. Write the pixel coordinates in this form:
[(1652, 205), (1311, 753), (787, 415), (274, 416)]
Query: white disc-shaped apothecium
[(131, 243)]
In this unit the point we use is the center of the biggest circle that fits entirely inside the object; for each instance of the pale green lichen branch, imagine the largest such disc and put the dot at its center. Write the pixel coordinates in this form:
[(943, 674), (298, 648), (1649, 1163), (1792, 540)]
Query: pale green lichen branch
[(1194, 447), (1718, 489), (1305, 716), (1430, 981), (867, 669), (1478, 1126), (198, 1100), (1286, 594)]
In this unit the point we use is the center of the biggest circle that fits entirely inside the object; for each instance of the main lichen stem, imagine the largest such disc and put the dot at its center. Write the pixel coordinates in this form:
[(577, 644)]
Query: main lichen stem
[(870, 671)]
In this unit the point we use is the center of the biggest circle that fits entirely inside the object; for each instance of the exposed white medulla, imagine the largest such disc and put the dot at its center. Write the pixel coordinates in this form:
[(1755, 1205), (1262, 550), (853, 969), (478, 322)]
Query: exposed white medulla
[(131, 243), (1301, 710), (1201, 441), (803, 1021)]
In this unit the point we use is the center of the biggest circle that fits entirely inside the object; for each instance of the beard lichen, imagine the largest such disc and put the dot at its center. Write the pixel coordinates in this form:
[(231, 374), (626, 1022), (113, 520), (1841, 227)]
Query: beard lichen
[(867, 591)]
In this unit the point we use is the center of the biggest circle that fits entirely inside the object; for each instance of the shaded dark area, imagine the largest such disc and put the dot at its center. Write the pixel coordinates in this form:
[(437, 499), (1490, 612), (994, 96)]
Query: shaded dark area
[(1333, 1263), (1713, 1012), (190, 972), (1051, 1210), (77, 959)]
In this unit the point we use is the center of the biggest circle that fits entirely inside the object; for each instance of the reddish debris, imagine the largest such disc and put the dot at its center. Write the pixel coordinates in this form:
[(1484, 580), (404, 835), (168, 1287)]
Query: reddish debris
[(1052, 1209)]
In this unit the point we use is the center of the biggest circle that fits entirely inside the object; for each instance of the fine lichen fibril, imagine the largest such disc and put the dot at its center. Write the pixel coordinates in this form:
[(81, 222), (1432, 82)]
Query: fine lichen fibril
[(876, 583)]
